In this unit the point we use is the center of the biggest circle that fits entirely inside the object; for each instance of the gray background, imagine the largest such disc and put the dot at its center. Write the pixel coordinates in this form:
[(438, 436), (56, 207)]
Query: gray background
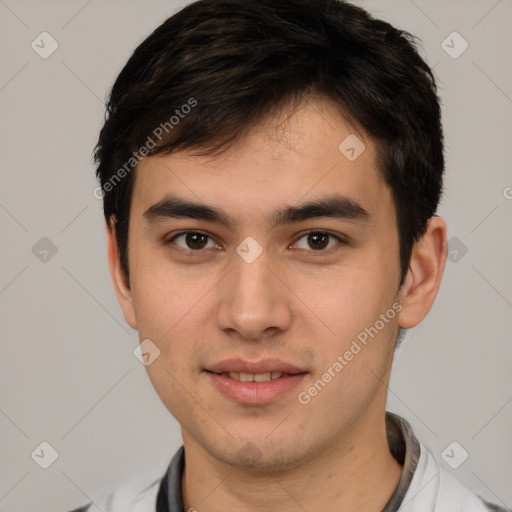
[(68, 375)]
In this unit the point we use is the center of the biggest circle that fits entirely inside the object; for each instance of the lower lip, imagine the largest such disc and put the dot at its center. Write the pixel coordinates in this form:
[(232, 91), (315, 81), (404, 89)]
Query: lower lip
[(255, 393)]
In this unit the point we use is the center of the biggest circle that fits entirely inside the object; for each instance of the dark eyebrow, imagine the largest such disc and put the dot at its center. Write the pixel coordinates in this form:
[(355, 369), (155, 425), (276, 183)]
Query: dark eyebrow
[(334, 206)]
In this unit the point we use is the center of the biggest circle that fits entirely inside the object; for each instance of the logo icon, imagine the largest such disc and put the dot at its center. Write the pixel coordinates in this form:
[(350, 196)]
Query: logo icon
[(351, 147), (249, 249), (44, 45), (454, 455), (44, 250), (45, 455), (454, 45), (249, 454), (456, 249), (146, 352)]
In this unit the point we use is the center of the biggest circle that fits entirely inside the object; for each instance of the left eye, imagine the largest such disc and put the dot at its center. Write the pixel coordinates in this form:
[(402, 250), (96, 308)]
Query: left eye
[(318, 240)]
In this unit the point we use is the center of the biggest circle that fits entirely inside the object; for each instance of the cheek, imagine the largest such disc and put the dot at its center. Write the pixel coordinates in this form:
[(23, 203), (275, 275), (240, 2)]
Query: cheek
[(173, 389), (356, 340), (346, 300), (167, 314), (353, 365), (164, 297)]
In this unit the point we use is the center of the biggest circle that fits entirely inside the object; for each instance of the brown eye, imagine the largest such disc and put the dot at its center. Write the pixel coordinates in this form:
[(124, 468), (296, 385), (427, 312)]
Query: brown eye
[(196, 240), (192, 241), (318, 241)]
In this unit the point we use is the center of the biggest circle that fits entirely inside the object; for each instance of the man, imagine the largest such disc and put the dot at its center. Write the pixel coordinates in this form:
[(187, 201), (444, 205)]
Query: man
[(271, 171)]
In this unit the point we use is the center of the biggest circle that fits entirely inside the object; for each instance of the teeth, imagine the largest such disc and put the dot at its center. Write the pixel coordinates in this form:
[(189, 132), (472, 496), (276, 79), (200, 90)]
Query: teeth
[(261, 377), (253, 377)]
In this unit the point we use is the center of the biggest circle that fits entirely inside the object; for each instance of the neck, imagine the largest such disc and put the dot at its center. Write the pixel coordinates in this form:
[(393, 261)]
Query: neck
[(356, 473)]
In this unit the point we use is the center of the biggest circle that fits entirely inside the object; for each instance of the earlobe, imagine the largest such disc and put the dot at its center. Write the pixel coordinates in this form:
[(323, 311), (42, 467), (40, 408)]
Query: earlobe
[(119, 279), (425, 273)]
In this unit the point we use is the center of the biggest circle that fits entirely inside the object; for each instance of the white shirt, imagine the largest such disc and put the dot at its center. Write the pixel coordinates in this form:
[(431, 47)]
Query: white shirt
[(423, 487)]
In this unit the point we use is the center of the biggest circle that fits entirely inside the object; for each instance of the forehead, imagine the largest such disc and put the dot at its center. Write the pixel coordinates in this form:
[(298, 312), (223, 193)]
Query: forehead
[(295, 157)]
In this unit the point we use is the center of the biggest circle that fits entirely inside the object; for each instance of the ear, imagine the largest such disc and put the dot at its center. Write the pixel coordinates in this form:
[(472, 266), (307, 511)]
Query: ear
[(424, 275), (119, 279)]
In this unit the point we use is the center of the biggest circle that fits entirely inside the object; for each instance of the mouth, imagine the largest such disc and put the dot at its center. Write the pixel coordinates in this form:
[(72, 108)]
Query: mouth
[(254, 383), (252, 377)]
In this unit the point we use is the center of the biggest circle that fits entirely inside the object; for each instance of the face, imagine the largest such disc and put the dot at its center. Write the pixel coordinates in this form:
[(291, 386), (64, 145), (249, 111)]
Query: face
[(259, 284)]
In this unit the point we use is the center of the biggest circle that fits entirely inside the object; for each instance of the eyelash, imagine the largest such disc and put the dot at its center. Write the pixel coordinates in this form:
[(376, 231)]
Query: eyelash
[(197, 252)]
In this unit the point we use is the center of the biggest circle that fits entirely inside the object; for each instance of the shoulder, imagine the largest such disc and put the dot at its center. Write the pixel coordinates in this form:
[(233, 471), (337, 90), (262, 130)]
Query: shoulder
[(143, 494), (137, 495), (451, 495), (454, 495), (495, 508)]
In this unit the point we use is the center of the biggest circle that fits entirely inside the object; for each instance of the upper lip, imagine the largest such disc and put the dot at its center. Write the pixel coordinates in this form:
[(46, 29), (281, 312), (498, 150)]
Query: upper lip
[(263, 366)]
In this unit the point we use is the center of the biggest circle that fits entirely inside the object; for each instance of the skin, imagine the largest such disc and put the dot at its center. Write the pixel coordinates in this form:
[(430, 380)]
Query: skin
[(294, 303)]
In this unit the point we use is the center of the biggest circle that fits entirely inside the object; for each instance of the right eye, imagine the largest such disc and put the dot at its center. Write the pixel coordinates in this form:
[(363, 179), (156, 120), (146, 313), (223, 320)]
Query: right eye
[(192, 241)]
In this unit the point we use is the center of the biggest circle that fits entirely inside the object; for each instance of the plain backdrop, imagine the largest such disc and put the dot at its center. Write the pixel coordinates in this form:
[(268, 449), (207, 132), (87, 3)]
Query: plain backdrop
[(68, 375)]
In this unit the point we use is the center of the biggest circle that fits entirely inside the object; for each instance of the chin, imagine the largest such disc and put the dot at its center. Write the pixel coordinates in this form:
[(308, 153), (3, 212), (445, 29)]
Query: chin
[(259, 456)]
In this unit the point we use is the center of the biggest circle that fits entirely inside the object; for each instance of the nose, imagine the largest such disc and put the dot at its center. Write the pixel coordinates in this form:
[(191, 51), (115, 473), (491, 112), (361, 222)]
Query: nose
[(254, 302)]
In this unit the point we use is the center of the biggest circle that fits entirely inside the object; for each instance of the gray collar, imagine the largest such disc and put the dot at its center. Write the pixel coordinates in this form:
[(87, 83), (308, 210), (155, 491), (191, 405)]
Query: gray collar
[(403, 445), (405, 448)]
